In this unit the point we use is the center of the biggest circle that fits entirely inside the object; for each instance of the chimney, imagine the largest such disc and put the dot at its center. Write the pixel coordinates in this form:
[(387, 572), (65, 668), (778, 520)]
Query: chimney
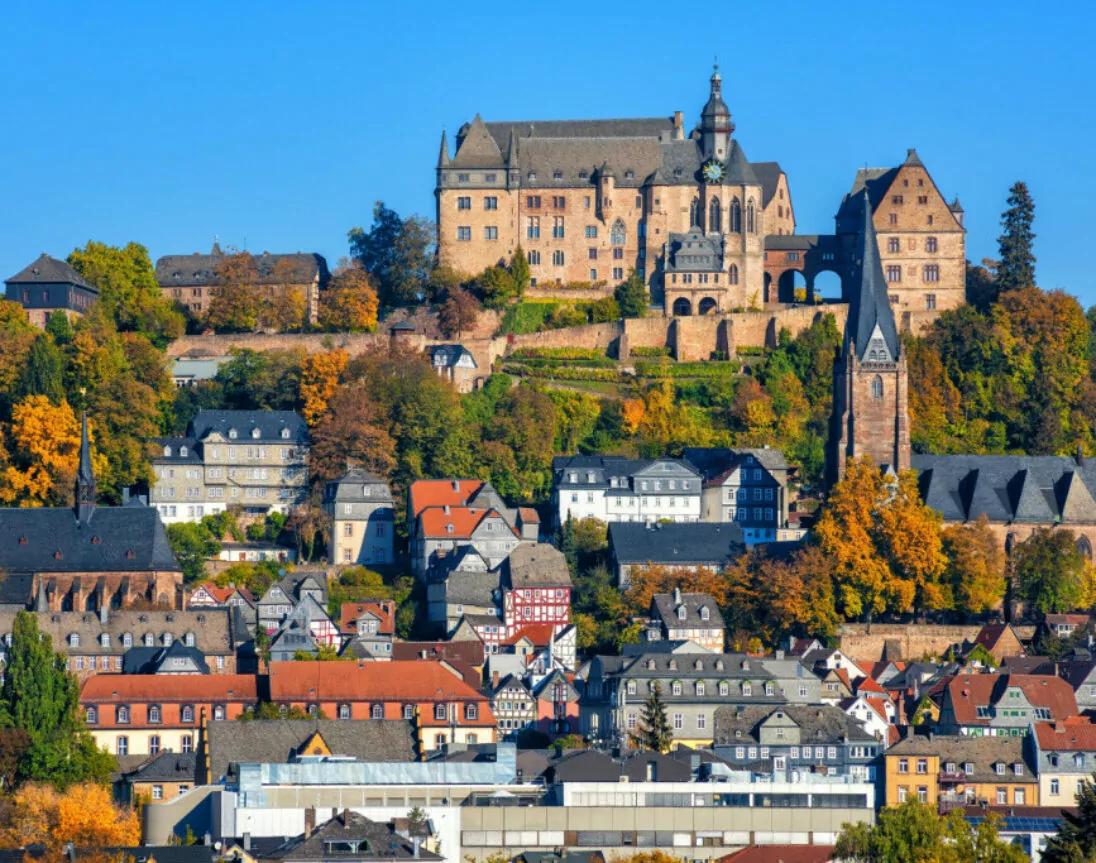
[(247, 842), (456, 485), (677, 596), (494, 679), (679, 126), (104, 611), (309, 821), (346, 816), (909, 732)]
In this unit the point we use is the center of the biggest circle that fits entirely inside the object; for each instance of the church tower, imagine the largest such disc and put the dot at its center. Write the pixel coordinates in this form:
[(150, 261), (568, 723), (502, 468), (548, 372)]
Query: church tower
[(85, 477), (716, 127), (870, 384)]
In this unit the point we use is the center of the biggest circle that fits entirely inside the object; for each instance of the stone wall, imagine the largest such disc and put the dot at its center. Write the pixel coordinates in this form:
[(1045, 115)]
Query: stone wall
[(859, 641)]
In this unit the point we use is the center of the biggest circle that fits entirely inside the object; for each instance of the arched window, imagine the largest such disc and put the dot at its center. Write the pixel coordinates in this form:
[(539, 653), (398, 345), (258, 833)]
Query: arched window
[(877, 387), (618, 234), (408, 711), (344, 711), (127, 639), (732, 274), (747, 689), (700, 687), (704, 613), (715, 217), (255, 433), (122, 715), (182, 452), (154, 713), (734, 224), (92, 716), (694, 212), (377, 711), (167, 452), (751, 222), (285, 434), (218, 712), (188, 713), (675, 688), (724, 688), (439, 711)]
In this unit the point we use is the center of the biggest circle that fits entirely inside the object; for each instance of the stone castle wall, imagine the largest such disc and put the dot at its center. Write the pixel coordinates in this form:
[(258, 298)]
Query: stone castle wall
[(859, 641)]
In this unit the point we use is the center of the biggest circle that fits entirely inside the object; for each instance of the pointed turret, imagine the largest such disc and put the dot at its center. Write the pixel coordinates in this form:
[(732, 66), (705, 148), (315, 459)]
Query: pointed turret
[(716, 127), (443, 156), (85, 477), (512, 149), (870, 326)]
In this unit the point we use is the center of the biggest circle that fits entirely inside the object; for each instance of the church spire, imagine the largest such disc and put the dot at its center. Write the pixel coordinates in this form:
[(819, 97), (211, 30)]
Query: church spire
[(870, 328), (85, 476)]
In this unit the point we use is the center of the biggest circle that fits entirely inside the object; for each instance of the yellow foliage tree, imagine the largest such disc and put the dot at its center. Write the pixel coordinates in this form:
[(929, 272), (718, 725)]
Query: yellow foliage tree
[(84, 815), (350, 301), (319, 380), (631, 413), (976, 566), (43, 451), (649, 580)]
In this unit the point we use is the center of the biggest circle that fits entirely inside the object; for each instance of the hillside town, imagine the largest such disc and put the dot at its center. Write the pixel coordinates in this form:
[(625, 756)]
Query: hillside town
[(630, 540)]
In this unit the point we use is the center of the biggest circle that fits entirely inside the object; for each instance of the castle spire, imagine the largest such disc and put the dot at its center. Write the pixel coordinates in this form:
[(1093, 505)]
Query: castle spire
[(870, 324), (443, 156), (85, 476)]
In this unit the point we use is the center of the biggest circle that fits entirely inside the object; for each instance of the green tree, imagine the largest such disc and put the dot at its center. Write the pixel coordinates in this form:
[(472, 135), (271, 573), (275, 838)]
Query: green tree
[(1017, 266), (519, 271), (59, 326), (496, 287), (631, 295), (41, 698), (193, 545), (128, 290), (1076, 837), (1051, 572), (397, 253), (43, 374), (654, 732)]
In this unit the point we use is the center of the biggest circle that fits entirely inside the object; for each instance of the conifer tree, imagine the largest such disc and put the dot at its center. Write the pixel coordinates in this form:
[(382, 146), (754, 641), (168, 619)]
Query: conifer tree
[(654, 732), (40, 697), (43, 373), (1076, 837), (59, 326), (1017, 266), (631, 295), (519, 271)]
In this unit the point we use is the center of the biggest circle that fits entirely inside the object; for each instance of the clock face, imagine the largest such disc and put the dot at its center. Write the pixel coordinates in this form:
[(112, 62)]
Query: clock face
[(713, 171)]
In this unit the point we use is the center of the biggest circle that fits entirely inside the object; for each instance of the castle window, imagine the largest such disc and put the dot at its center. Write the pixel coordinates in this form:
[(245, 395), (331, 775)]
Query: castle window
[(462, 178), (532, 175), (464, 203), (877, 387), (491, 233), (489, 178), (464, 233), (931, 273), (930, 244), (894, 245), (694, 212), (532, 228), (618, 234), (593, 274), (591, 232), (559, 202), (592, 254), (639, 202), (894, 273), (557, 175), (533, 202), (534, 257), (732, 274), (491, 202), (930, 302), (896, 199), (715, 220), (182, 452), (892, 219), (557, 258), (751, 223), (557, 227), (735, 221)]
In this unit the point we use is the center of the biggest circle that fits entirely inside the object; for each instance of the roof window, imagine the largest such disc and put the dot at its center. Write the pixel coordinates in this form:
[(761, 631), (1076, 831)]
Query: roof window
[(255, 433)]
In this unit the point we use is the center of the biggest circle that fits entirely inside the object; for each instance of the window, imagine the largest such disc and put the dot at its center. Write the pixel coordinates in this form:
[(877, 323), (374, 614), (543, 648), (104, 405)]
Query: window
[(894, 245), (157, 792), (922, 794), (903, 765), (121, 746), (930, 302), (92, 715), (408, 711), (558, 227), (532, 227), (893, 219), (931, 273), (896, 199), (903, 792), (344, 711), (1002, 796), (1018, 796), (218, 711), (154, 713), (679, 722), (894, 273), (618, 272), (592, 254), (439, 711), (557, 258), (471, 712), (734, 222), (559, 202), (751, 224), (675, 688), (464, 233), (930, 245), (593, 275), (187, 742), (877, 387), (121, 715), (462, 178), (701, 721), (376, 711), (1054, 787), (591, 232), (922, 765), (490, 203), (187, 713), (631, 720), (490, 233), (464, 203), (999, 768), (747, 689), (724, 688), (154, 744), (534, 256), (533, 202)]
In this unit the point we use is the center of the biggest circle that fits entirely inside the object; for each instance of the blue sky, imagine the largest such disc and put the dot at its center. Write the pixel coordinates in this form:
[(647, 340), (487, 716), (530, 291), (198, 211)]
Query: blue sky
[(275, 126)]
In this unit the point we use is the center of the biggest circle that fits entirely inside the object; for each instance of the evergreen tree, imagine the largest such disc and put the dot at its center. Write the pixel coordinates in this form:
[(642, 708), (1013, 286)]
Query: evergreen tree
[(631, 295), (1017, 266), (519, 271), (1076, 837), (43, 373), (59, 326), (567, 544), (41, 698), (654, 732)]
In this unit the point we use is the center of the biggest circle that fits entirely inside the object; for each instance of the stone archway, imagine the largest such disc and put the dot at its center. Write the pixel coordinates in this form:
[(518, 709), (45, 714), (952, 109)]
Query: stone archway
[(682, 307), (707, 306)]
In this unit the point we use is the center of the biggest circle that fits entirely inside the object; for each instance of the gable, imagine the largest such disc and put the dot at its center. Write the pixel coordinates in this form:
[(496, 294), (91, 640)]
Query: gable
[(315, 745), (912, 182)]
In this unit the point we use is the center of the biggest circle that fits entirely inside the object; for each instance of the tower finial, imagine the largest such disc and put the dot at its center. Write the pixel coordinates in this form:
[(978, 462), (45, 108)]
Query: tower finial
[(85, 476)]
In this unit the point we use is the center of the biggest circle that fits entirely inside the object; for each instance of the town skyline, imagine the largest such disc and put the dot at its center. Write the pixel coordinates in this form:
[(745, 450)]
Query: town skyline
[(175, 190)]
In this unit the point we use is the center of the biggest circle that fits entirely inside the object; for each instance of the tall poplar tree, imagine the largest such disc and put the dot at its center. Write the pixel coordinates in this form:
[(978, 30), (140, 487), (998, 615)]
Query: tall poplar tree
[(654, 732), (1017, 266), (44, 371), (41, 698)]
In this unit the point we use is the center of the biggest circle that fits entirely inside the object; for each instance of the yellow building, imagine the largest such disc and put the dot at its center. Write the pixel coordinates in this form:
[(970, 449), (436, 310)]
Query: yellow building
[(949, 771)]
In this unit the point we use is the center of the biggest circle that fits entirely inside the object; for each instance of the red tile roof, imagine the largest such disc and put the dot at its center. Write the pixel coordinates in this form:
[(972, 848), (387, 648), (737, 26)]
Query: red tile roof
[(1077, 732), (781, 854), (528, 515), (868, 684), (126, 688), (385, 609), (538, 633), (441, 492), (967, 692), (435, 521), (418, 680), (991, 633), (472, 652)]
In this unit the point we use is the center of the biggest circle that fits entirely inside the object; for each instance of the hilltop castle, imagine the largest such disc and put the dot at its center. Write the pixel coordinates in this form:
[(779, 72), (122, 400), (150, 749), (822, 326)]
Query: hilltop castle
[(707, 229)]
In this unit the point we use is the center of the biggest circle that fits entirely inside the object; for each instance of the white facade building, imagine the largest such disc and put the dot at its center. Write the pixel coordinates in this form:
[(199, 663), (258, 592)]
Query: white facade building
[(614, 489)]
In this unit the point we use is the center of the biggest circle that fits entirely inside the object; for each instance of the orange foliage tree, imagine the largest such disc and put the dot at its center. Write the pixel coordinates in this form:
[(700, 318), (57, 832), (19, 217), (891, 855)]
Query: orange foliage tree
[(649, 580), (84, 815), (319, 380), (350, 302)]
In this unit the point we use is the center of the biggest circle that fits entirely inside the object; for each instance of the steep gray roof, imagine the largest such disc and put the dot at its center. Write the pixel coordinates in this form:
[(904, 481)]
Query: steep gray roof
[(384, 843), (348, 487), (276, 741), (817, 724), (115, 539), (150, 660), (209, 626), (739, 170), (680, 544), (49, 271), (768, 175), (695, 251), (717, 462), (539, 565), (667, 606), (167, 767), (196, 269), (472, 588), (579, 160), (869, 304), (1008, 488), (269, 424), (450, 354), (629, 127)]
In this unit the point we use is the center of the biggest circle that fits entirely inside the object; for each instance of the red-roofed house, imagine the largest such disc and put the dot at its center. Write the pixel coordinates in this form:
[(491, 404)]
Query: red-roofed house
[(836, 685), (1003, 704), (372, 617), (877, 715), (999, 640), (145, 714), (556, 705), (1065, 756), (209, 595), (444, 707)]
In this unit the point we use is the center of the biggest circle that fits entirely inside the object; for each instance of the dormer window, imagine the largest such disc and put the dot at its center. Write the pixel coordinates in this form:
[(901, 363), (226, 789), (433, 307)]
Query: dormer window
[(724, 688), (285, 434), (167, 452), (557, 175), (673, 665), (650, 665), (747, 689), (232, 434), (188, 639), (150, 640), (104, 639), (256, 434), (681, 612), (573, 476), (182, 452), (698, 666), (439, 711), (704, 614), (968, 768), (719, 665), (74, 639), (127, 639), (168, 638)]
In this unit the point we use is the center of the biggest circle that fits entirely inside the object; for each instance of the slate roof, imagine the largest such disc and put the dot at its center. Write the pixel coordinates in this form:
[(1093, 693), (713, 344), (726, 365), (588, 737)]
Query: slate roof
[(667, 606), (16, 590), (628, 127), (276, 741), (49, 271), (210, 627), (472, 588), (696, 543), (695, 251), (149, 660), (173, 271), (167, 767), (817, 724), (383, 842), (539, 565), (449, 354), (981, 752), (768, 175), (269, 424), (1039, 489), (348, 487), (781, 854), (589, 765), (869, 304)]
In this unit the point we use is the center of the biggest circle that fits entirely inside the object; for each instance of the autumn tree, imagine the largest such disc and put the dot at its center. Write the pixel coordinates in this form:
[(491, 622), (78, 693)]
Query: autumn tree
[(319, 380), (311, 527), (397, 254), (518, 445), (495, 286), (350, 302), (43, 374), (631, 295), (84, 815), (128, 290), (284, 310), (648, 580), (40, 697), (1051, 573), (236, 303), (43, 442), (975, 572), (458, 313), (1017, 266), (351, 431), (653, 731), (261, 380)]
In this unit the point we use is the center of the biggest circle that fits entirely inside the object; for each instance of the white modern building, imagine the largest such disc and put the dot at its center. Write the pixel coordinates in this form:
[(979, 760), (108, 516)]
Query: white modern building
[(613, 489)]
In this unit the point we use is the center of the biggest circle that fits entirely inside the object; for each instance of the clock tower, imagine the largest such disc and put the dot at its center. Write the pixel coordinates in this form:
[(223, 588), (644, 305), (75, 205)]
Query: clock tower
[(716, 127)]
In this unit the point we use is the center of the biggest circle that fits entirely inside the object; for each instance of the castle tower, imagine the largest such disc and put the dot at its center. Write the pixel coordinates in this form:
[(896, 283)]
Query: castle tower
[(716, 127), (85, 477), (870, 385)]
